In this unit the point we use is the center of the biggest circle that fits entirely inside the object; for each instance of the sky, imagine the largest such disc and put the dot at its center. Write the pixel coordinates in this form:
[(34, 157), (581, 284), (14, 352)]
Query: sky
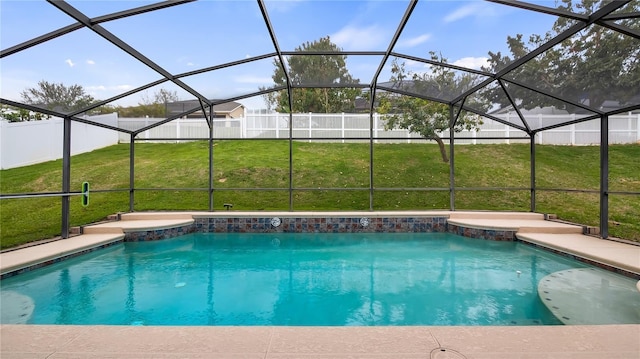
[(206, 33)]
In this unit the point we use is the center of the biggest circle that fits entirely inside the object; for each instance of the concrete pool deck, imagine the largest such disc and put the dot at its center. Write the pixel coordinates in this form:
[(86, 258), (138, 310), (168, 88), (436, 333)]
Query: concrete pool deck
[(600, 341), (553, 342)]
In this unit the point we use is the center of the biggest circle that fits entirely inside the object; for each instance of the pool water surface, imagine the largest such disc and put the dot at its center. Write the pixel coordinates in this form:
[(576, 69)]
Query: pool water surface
[(294, 279)]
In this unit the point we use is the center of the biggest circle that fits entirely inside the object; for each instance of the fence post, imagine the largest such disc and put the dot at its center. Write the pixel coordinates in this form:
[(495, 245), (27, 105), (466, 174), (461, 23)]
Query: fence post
[(178, 121), (310, 115), (376, 117), (506, 134), (243, 125), (540, 124), (637, 127), (146, 123), (342, 134), (573, 133)]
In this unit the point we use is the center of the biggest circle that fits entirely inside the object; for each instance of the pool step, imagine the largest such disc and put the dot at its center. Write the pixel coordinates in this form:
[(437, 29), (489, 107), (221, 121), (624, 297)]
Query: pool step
[(124, 226), (26, 257), (497, 215), (135, 216), (611, 253)]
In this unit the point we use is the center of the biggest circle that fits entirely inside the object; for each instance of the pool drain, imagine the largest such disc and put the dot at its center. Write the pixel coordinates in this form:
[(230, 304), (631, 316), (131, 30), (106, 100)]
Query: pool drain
[(444, 353)]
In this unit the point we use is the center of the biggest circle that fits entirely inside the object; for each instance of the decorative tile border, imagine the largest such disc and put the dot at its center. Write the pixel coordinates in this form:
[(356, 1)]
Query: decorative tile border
[(158, 234), (321, 225), (488, 234)]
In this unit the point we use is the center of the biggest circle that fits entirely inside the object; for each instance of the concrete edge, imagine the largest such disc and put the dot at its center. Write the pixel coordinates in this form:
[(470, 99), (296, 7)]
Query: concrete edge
[(589, 256), (53, 255)]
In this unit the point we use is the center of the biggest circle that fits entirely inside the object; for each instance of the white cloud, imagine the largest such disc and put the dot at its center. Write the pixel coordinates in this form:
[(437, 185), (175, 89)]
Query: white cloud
[(354, 38), (91, 62), (184, 60), (415, 41), (472, 62), (475, 9), (69, 62)]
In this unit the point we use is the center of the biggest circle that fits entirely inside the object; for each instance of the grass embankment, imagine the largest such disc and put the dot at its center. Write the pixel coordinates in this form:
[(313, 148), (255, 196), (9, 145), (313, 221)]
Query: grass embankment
[(400, 171)]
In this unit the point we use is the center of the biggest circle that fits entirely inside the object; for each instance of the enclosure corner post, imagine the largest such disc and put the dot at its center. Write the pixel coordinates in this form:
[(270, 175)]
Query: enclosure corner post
[(452, 183), (371, 126), (210, 122), (532, 163), (131, 170), (604, 176), (290, 157), (66, 176)]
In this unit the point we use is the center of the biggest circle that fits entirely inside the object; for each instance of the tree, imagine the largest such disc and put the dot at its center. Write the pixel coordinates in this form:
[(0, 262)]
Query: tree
[(150, 106), (57, 97), (593, 66), (14, 114), (318, 71), (421, 116), (161, 97)]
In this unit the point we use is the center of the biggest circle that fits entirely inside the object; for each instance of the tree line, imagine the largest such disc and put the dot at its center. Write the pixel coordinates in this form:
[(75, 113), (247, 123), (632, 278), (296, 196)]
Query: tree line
[(65, 99)]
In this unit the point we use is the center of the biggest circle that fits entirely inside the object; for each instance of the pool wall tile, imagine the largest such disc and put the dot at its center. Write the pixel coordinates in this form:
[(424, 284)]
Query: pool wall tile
[(321, 225), (158, 234), (478, 233)]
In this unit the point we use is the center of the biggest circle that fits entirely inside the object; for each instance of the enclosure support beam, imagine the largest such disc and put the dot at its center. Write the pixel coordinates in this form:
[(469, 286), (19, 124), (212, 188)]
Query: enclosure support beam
[(604, 176), (452, 183), (532, 162), (290, 151), (66, 176), (371, 126), (210, 122), (131, 170)]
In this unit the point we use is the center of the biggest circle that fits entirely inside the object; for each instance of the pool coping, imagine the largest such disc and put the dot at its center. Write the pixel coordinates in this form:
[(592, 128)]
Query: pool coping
[(497, 342), (527, 227)]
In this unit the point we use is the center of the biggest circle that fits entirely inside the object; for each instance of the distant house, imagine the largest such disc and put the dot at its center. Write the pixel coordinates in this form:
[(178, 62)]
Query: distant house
[(223, 110)]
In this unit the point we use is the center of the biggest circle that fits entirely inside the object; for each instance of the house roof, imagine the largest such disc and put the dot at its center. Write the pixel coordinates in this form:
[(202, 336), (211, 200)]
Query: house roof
[(182, 106)]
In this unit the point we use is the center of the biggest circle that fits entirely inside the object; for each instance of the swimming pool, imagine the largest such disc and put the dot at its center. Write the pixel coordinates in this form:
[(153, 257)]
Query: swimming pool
[(292, 279)]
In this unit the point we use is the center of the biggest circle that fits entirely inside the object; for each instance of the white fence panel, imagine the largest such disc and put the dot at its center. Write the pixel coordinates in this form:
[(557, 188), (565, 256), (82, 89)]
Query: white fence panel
[(623, 129), (27, 143)]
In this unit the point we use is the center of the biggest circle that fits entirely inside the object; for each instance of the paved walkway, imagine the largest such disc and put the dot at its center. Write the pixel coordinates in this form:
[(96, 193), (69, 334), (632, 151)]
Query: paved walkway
[(558, 342), (88, 342)]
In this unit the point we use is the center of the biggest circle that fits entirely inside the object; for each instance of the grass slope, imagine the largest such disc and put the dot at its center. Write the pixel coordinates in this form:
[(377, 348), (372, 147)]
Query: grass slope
[(406, 176)]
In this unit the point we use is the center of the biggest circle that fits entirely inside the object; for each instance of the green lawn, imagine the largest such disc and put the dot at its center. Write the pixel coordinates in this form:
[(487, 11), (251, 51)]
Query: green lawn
[(401, 173)]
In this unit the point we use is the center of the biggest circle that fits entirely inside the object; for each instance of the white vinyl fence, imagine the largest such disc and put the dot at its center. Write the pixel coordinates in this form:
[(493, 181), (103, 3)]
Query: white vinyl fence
[(26, 143), (622, 129)]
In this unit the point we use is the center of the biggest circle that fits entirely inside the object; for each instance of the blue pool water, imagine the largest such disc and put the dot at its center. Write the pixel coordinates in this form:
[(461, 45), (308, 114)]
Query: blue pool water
[(291, 279)]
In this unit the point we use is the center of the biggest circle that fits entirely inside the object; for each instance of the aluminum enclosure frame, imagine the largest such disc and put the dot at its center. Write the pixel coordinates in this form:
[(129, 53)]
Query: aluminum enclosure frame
[(604, 16)]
